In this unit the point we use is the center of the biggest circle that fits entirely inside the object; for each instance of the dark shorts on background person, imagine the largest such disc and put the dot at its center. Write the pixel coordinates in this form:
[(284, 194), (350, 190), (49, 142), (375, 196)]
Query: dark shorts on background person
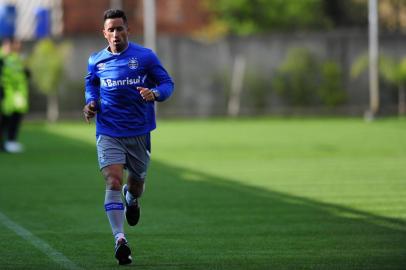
[(132, 152)]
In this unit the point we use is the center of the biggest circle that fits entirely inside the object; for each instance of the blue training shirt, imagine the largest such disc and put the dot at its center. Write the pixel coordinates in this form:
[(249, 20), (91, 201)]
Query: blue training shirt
[(112, 82)]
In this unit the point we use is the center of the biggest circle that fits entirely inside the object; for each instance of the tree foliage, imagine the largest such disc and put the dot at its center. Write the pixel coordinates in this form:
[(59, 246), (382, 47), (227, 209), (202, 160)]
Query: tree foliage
[(303, 79), (295, 79), (47, 65), (391, 70), (244, 17), (346, 13), (330, 90), (253, 16)]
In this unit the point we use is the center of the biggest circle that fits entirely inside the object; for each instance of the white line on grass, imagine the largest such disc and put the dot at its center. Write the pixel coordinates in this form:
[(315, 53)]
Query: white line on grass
[(43, 246)]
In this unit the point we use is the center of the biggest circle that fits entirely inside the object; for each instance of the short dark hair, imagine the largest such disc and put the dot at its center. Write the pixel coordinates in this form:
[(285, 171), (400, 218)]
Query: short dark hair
[(115, 13)]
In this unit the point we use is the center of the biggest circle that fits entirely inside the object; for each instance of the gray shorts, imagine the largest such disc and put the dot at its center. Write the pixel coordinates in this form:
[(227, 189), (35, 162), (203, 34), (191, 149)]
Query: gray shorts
[(132, 152)]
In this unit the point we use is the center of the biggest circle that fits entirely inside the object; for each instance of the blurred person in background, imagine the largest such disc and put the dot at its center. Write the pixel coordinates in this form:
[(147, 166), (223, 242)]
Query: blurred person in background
[(13, 95), (123, 82)]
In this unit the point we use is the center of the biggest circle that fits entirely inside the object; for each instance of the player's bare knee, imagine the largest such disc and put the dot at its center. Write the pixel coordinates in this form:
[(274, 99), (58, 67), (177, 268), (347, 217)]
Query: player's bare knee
[(113, 179), (113, 183)]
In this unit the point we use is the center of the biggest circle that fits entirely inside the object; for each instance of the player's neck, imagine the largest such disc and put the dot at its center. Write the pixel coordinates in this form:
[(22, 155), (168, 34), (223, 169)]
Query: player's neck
[(118, 50)]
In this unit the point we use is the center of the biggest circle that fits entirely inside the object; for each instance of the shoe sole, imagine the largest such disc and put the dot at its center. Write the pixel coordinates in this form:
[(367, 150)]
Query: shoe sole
[(123, 255)]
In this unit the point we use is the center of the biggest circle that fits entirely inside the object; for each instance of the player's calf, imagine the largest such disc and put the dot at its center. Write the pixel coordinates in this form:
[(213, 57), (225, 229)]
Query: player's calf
[(132, 207)]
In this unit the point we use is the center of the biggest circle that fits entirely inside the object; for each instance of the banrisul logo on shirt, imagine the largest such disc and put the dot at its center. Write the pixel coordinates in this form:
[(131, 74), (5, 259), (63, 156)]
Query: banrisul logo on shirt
[(133, 63), (123, 82)]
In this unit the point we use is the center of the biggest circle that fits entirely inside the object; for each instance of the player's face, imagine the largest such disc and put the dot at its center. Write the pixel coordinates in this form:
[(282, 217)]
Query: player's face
[(116, 33)]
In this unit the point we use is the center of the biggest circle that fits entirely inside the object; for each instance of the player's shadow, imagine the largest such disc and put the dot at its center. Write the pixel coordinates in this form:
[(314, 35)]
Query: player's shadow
[(196, 220)]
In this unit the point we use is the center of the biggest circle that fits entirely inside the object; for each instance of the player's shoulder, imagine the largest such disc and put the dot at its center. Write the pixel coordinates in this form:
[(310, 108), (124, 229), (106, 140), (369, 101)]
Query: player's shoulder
[(97, 56), (141, 50), (144, 55)]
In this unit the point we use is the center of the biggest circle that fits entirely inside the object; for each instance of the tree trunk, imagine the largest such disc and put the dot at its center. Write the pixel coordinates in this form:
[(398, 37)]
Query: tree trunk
[(52, 107), (373, 57), (402, 100), (237, 81)]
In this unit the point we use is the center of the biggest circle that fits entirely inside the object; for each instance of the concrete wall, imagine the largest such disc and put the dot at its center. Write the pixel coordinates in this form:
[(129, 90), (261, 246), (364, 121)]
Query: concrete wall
[(202, 71)]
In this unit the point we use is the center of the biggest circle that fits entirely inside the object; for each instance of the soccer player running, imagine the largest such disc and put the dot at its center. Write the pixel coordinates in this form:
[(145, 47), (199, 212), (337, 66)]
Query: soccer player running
[(123, 82)]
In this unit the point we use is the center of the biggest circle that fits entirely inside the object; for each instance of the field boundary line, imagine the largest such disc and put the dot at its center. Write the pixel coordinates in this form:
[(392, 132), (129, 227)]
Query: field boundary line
[(40, 244)]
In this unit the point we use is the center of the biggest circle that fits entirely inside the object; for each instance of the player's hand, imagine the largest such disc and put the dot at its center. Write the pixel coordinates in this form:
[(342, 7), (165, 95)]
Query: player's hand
[(89, 111), (146, 93)]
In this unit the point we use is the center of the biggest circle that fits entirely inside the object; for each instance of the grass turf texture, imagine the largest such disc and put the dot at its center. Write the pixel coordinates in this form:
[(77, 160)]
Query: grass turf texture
[(221, 194)]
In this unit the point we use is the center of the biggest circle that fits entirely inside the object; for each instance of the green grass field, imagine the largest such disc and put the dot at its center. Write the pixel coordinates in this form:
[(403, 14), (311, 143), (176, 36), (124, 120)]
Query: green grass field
[(221, 194)]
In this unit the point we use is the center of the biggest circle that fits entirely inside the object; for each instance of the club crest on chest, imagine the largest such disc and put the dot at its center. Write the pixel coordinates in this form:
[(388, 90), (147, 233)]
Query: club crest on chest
[(133, 63)]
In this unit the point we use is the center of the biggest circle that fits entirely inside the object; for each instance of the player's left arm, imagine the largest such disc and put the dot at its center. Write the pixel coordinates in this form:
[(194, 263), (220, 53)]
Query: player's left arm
[(164, 83)]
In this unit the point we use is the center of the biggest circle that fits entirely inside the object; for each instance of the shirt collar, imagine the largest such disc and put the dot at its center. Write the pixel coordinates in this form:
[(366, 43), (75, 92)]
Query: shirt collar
[(108, 51)]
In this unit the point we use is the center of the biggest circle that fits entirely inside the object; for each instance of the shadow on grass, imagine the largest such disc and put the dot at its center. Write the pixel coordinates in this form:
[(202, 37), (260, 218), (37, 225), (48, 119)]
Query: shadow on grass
[(221, 224), (193, 220)]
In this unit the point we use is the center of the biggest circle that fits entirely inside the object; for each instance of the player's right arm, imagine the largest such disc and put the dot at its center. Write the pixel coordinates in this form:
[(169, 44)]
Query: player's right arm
[(89, 111), (1, 79), (92, 91)]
